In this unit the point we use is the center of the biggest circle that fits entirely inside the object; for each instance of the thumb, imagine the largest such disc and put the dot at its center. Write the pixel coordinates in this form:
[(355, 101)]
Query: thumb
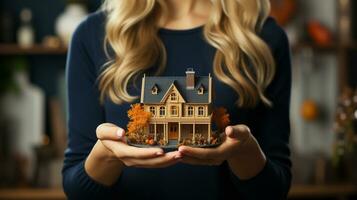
[(108, 131), (238, 132)]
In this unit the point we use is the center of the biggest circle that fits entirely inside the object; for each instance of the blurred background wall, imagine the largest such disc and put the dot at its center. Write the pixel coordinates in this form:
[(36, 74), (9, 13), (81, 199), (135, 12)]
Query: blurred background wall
[(33, 38)]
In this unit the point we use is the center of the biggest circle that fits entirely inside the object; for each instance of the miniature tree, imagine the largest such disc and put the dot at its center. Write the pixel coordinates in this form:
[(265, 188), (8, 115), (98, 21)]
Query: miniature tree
[(221, 118), (139, 119)]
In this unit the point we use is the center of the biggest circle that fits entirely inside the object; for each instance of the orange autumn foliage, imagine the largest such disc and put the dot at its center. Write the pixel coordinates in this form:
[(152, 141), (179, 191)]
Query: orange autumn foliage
[(221, 118), (139, 119), (283, 10)]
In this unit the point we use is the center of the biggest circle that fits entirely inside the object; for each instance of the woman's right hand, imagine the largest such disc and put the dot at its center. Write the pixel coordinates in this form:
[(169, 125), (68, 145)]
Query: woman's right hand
[(113, 138), (111, 154)]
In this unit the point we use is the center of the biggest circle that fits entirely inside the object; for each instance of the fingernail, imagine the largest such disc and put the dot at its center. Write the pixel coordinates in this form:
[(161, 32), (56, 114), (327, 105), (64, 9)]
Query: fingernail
[(229, 131), (120, 133), (159, 153), (180, 149)]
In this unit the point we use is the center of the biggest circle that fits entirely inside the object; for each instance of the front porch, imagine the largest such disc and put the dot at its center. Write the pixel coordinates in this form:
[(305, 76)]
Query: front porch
[(179, 131)]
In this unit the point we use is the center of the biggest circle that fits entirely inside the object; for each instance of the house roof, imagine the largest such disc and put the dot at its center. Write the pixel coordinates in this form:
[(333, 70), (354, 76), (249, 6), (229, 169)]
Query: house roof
[(164, 82)]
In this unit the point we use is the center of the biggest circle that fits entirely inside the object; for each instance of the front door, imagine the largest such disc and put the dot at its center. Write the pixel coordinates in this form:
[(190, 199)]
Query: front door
[(173, 131)]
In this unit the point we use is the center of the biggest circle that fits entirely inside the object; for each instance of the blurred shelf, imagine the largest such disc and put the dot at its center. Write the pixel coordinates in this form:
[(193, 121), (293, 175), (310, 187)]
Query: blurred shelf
[(322, 191), (32, 194), (38, 49), (301, 46), (327, 48), (296, 192)]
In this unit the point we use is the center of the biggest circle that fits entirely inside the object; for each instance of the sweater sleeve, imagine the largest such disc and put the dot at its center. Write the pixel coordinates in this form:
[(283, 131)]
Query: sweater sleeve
[(85, 113), (271, 127)]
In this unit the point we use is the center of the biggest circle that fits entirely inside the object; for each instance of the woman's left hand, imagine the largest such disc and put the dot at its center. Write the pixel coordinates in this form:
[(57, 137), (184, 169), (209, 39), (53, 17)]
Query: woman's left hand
[(240, 149)]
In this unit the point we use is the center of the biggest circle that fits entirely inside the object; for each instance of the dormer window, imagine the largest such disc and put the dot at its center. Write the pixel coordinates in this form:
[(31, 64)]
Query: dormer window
[(154, 89), (200, 90)]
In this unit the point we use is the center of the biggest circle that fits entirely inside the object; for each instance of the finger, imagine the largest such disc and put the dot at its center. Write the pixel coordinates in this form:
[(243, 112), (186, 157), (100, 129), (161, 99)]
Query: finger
[(122, 150), (158, 162), (108, 131), (202, 153), (196, 161), (238, 132)]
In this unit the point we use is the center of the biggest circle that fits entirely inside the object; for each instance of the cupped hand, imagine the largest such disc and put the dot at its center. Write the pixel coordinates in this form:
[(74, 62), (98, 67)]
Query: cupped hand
[(237, 142), (240, 149), (113, 138)]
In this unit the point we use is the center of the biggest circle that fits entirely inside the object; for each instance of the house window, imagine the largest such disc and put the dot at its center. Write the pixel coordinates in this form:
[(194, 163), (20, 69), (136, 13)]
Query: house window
[(190, 111), (151, 128), (174, 110), (173, 97), (152, 110), (162, 111), (200, 111)]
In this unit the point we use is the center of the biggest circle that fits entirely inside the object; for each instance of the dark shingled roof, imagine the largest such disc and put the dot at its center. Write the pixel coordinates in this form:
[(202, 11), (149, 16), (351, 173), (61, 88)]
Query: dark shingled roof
[(164, 83)]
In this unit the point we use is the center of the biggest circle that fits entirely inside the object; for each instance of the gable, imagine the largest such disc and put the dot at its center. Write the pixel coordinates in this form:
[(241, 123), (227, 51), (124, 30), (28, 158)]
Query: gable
[(172, 90)]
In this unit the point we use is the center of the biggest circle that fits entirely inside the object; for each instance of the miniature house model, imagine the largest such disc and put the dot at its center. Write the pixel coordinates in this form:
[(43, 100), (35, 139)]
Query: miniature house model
[(180, 106)]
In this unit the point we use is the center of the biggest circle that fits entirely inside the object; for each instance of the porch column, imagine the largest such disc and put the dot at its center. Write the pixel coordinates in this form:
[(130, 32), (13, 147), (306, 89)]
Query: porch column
[(209, 133), (163, 131), (155, 132), (179, 131), (166, 132), (193, 131)]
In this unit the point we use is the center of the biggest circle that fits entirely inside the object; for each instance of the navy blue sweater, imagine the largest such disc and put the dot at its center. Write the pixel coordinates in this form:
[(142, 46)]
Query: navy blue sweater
[(185, 48)]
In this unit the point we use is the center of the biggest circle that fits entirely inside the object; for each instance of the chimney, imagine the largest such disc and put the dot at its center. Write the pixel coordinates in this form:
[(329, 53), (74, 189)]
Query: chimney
[(190, 79)]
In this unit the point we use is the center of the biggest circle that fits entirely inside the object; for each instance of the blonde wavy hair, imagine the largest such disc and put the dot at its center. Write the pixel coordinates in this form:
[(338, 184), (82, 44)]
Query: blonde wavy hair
[(242, 60)]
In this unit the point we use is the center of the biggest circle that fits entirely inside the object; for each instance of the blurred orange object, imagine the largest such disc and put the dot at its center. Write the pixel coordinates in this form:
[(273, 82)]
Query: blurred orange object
[(319, 33), (283, 10), (309, 110)]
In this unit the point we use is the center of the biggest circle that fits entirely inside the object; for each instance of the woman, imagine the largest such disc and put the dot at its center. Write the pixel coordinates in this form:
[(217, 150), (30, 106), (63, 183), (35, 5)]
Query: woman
[(248, 55)]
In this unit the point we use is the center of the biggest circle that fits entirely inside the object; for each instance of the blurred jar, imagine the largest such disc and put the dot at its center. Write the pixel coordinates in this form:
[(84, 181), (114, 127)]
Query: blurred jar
[(26, 33), (68, 21)]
